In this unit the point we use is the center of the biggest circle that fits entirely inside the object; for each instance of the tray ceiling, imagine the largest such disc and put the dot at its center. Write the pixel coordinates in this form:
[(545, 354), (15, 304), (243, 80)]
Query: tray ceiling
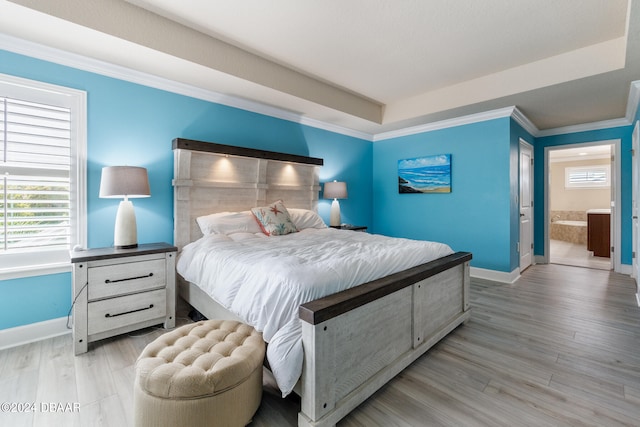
[(371, 66)]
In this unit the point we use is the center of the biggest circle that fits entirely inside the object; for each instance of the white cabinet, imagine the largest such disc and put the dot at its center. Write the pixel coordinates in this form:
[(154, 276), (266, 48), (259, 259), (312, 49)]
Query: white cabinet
[(121, 290)]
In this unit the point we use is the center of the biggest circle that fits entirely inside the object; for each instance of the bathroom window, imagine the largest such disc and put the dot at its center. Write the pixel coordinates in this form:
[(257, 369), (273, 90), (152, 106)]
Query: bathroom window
[(587, 176)]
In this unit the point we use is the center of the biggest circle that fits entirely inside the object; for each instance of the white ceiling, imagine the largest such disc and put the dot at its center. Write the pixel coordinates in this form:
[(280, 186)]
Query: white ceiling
[(590, 152), (388, 53), (368, 65)]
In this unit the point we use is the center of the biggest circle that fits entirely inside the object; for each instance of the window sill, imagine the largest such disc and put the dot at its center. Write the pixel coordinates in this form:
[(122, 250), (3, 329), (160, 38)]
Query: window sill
[(31, 271)]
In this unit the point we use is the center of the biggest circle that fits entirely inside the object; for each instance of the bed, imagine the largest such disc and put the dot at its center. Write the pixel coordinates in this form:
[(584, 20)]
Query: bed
[(354, 339)]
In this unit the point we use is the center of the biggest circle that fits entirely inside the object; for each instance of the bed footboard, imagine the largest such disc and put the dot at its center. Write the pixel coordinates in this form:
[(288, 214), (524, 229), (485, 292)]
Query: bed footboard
[(357, 340)]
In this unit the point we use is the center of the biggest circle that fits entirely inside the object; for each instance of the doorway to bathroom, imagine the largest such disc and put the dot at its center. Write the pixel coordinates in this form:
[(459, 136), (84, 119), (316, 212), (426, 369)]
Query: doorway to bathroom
[(581, 205)]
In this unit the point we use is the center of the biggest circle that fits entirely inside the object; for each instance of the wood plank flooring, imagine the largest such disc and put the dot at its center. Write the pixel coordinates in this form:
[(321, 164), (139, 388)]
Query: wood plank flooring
[(559, 347), (567, 253)]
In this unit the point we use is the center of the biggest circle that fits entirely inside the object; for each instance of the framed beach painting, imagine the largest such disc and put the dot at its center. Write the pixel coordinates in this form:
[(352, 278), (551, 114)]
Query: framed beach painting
[(431, 174)]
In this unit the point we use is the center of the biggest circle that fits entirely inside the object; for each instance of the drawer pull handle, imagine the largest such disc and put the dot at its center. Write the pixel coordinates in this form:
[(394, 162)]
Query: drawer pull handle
[(129, 312), (129, 278)]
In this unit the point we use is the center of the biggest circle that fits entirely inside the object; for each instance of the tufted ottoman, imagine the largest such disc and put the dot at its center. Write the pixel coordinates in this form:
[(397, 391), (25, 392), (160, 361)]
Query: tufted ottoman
[(207, 373)]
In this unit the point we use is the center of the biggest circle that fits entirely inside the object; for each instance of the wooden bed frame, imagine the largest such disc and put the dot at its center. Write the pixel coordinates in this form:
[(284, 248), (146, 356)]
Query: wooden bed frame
[(354, 341)]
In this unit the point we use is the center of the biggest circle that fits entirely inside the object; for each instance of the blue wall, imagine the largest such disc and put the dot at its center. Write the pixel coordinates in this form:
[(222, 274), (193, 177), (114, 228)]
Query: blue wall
[(481, 215), (34, 299), (476, 215), (517, 132), (624, 134), (134, 125)]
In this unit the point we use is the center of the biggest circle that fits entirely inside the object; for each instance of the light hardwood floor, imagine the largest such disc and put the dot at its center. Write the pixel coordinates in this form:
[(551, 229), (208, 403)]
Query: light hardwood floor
[(576, 255), (561, 346)]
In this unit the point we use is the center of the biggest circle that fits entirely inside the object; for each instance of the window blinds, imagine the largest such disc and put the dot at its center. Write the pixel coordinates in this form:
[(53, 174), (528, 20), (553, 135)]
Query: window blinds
[(588, 176), (585, 177), (35, 186)]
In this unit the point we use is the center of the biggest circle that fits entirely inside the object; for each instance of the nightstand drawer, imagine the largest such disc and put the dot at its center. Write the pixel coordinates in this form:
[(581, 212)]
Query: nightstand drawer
[(118, 290), (114, 313), (109, 280)]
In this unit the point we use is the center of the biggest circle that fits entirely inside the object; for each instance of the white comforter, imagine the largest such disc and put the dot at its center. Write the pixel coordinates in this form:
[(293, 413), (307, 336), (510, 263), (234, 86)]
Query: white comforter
[(265, 279)]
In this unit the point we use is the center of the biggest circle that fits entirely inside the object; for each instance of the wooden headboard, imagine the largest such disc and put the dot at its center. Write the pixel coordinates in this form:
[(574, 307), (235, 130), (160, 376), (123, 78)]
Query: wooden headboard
[(210, 178)]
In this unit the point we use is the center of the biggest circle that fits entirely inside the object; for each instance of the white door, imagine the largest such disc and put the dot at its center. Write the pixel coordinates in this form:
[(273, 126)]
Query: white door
[(526, 208), (635, 187)]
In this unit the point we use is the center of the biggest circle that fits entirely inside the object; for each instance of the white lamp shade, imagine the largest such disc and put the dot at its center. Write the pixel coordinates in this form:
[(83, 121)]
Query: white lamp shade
[(335, 190), (124, 181)]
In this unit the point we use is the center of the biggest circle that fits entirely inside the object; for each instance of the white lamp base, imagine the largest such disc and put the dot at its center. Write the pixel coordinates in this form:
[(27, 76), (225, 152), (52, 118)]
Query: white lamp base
[(334, 219), (125, 235)]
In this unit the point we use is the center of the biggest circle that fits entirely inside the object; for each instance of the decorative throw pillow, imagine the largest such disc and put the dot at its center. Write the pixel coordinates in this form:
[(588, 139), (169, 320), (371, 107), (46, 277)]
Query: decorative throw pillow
[(274, 219)]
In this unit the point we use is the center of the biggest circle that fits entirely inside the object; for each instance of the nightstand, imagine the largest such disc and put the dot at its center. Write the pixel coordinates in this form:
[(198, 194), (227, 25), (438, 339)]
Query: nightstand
[(350, 227), (121, 290)]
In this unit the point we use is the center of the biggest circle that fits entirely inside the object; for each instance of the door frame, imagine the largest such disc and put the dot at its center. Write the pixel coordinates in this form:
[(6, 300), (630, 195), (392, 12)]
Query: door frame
[(531, 198), (616, 177), (635, 190)]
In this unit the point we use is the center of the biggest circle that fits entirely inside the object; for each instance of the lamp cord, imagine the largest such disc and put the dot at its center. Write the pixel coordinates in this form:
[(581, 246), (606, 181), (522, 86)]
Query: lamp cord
[(74, 303)]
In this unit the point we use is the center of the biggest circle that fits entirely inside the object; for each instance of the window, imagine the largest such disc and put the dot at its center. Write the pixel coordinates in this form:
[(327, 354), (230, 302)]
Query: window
[(596, 176), (42, 176)]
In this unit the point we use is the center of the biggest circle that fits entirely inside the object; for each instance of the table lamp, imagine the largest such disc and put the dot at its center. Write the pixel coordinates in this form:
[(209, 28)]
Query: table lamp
[(124, 182), (335, 190)]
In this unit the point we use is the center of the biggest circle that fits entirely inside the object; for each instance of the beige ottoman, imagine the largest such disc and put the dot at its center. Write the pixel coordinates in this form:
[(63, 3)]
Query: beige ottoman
[(207, 373)]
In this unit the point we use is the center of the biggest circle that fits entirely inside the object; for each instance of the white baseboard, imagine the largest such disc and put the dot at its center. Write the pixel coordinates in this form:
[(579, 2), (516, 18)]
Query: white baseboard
[(638, 299), (621, 268), (495, 276), (26, 334), (625, 269), (540, 259)]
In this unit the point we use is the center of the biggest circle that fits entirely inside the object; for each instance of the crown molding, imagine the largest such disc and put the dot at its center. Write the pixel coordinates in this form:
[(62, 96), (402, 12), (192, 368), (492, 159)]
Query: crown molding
[(61, 57), (633, 101), (65, 58), (524, 121), (443, 124), (605, 124)]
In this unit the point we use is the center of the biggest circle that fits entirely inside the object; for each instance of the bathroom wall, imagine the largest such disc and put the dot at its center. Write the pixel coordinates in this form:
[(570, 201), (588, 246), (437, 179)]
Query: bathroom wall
[(562, 199), (621, 135)]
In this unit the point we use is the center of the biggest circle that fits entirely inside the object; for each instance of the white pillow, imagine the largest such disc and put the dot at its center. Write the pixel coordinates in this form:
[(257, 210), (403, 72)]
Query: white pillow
[(304, 218), (228, 223)]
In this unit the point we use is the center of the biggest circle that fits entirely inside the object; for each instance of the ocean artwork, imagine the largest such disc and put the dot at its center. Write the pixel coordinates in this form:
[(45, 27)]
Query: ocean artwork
[(430, 174)]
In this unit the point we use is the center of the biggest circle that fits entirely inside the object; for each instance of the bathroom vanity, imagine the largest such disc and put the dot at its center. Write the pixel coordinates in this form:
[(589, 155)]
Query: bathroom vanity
[(599, 232)]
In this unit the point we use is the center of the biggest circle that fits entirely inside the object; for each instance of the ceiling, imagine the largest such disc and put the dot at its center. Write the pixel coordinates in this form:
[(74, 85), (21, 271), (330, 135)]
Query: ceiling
[(589, 152), (372, 66)]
